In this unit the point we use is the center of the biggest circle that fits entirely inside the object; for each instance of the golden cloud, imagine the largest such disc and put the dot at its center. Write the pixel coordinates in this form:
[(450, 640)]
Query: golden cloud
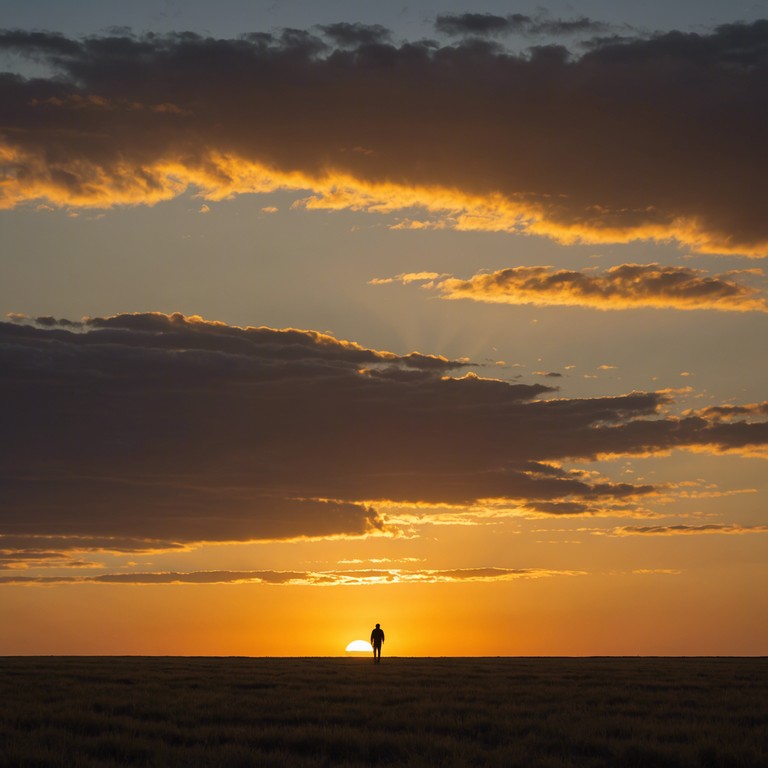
[(628, 286), (689, 530)]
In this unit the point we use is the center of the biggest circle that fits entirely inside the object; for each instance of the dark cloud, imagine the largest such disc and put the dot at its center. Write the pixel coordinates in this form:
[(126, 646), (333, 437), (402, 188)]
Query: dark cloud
[(299, 41), (63, 551), (566, 26), (640, 138), (145, 432), (728, 412), (15, 560), (560, 507), (480, 23), (463, 24), (627, 286), (345, 34)]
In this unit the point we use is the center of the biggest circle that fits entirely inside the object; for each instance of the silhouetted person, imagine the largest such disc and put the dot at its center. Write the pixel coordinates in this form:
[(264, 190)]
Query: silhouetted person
[(377, 638)]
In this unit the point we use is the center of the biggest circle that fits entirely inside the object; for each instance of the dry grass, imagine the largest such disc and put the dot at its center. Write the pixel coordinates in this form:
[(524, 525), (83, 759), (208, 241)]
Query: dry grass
[(233, 712)]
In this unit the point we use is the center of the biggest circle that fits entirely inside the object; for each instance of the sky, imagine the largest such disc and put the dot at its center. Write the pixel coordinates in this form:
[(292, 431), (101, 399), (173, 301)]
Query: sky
[(315, 315)]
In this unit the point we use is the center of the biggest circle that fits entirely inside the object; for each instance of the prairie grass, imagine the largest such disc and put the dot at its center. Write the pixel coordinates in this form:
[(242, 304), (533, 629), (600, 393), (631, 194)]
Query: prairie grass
[(241, 712)]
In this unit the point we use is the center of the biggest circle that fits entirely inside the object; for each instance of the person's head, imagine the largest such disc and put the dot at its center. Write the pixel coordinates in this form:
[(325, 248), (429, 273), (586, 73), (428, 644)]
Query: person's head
[(377, 626)]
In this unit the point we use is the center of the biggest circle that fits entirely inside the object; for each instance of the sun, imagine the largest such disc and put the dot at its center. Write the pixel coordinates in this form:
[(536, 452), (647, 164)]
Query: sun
[(359, 646)]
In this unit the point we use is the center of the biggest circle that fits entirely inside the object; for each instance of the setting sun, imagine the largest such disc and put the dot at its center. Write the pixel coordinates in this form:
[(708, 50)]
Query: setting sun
[(359, 646)]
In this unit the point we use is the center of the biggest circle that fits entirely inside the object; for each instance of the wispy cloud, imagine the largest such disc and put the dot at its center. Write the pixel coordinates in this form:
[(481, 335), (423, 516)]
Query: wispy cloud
[(636, 138), (629, 286), (688, 530), (405, 278), (25, 552), (295, 578)]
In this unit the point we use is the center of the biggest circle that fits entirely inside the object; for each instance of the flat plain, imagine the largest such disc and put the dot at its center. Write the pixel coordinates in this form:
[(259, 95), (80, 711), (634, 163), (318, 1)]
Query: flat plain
[(236, 712)]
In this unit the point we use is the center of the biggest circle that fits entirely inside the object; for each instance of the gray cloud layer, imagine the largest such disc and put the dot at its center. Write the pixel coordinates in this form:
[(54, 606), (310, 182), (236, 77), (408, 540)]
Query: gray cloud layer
[(146, 431), (658, 138)]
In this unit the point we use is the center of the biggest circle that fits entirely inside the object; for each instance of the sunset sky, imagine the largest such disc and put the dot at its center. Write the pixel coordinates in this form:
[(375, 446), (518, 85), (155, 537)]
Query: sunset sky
[(320, 314)]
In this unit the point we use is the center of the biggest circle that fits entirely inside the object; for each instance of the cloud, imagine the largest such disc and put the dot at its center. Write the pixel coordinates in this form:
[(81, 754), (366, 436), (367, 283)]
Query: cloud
[(688, 530), (656, 572), (294, 578), (349, 35), (567, 26), (643, 138), (560, 507), (379, 560), (16, 560), (149, 431), (57, 551), (628, 286), (729, 412), (488, 24), (405, 278), (479, 23)]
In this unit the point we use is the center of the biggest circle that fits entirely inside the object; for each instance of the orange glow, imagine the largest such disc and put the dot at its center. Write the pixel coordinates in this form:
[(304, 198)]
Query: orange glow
[(218, 176), (617, 614), (347, 444)]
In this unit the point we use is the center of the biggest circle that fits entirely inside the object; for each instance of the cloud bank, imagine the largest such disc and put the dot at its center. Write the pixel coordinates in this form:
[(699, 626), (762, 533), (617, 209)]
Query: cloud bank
[(628, 286), (636, 138), (150, 432)]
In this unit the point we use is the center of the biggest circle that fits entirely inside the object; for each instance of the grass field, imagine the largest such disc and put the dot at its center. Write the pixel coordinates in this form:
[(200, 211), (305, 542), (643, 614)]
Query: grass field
[(645, 712)]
